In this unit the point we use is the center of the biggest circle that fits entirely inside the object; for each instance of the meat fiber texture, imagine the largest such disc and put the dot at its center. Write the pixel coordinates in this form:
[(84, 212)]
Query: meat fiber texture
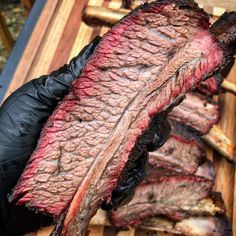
[(141, 66), (225, 31), (158, 168), (210, 86), (197, 113), (193, 226), (182, 153), (176, 197)]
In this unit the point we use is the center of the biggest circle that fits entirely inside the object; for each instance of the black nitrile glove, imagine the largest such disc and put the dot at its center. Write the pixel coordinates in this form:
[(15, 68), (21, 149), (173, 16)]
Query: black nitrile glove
[(22, 116), (135, 169)]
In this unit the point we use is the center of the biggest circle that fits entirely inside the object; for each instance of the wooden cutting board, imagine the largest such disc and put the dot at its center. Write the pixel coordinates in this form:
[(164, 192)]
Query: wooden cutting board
[(60, 34)]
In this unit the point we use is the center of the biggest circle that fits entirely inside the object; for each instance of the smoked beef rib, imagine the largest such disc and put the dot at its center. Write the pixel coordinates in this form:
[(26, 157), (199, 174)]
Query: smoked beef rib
[(143, 64)]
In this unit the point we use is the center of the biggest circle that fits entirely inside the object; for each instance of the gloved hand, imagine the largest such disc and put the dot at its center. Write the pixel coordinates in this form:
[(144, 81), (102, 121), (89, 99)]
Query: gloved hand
[(22, 117)]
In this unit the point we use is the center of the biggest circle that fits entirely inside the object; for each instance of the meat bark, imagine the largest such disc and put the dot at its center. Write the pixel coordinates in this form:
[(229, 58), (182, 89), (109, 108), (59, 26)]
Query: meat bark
[(157, 168), (225, 30), (90, 136), (182, 153), (193, 226), (176, 197), (210, 86), (197, 113)]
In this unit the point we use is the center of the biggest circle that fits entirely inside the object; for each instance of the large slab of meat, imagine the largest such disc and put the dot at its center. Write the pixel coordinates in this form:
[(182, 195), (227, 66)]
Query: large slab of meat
[(140, 68)]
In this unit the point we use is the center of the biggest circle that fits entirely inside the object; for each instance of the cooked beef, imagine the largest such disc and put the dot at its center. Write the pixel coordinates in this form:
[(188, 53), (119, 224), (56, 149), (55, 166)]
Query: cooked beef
[(141, 66), (176, 197), (210, 86), (183, 152), (135, 168), (158, 168), (197, 113), (225, 30), (206, 170), (193, 226)]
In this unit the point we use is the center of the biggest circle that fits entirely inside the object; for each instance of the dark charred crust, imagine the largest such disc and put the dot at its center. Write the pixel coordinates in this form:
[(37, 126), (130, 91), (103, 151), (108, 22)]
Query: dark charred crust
[(225, 30), (219, 79), (223, 225), (135, 169), (218, 200), (126, 4), (186, 5), (225, 71), (207, 89), (181, 129), (59, 224), (223, 22)]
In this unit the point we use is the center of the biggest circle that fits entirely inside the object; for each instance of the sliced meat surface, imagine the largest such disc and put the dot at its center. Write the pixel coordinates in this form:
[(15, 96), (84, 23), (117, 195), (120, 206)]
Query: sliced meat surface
[(176, 197), (157, 169), (206, 170), (210, 86), (193, 226), (197, 113), (141, 66), (183, 152)]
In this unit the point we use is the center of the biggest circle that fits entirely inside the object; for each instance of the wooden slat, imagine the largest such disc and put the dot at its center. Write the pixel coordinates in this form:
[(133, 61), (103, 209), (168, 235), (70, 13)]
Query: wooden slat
[(45, 231), (224, 170), (96, 230), (67, 38), (227, 4), (130, 232), (234, 204), (84, 34), (32, 47), (48, 46), (109, 231)]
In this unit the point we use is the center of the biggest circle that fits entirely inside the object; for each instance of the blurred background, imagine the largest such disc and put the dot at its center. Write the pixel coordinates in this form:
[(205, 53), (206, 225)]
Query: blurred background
[(13, 14)]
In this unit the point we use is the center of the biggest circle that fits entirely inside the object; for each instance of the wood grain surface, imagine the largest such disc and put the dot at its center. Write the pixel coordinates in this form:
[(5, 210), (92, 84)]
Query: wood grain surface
[(60, 34)]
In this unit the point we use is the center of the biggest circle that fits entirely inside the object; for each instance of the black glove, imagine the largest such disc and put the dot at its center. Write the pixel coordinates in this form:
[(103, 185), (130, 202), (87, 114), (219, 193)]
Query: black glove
[(135, 169), (22, 116)]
